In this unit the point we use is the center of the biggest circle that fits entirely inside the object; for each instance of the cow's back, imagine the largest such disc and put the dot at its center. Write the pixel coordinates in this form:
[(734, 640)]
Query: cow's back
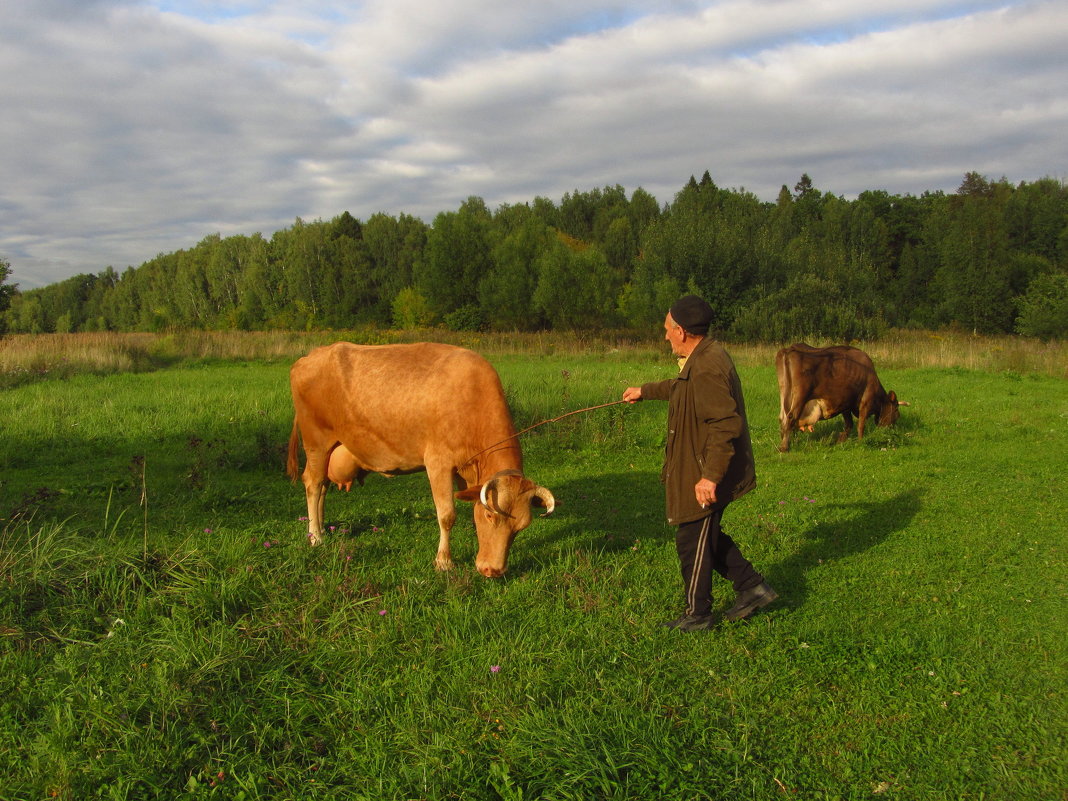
[(399, 397), (839, 373)]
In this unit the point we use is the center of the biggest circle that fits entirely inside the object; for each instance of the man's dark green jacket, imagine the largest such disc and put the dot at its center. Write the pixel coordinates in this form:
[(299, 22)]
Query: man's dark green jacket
[(708, 435)]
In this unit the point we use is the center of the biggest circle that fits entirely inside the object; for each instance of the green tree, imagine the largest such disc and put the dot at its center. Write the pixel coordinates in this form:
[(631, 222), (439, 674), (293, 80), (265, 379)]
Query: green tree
[(644, 211), (192, 297), (411, 310), (258, 286), (1044, 309), (7, 291), (619, 244), (506, 293), (350, 293), (576, 287), (1036, 218), (301, 253), (393, 246), (645, 299), (708, 238), (26, 314), (808, 201), (456, 258), (227, 260), (808, 307), (974, 278)]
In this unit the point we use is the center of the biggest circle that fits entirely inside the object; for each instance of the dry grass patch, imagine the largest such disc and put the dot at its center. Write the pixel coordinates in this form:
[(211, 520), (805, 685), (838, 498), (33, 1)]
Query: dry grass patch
[(24, 357)]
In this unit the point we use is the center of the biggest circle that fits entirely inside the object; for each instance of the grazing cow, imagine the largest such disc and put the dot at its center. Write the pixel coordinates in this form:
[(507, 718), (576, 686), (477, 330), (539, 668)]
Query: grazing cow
[(819, 383), (396, 409)]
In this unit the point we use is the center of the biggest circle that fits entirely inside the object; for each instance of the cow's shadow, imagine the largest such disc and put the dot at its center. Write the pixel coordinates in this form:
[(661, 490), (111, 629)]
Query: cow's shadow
[(867, 526), (602, 513)]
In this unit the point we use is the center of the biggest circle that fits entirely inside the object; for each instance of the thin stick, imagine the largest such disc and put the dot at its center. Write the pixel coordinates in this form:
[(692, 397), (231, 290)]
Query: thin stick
[(144, 503)]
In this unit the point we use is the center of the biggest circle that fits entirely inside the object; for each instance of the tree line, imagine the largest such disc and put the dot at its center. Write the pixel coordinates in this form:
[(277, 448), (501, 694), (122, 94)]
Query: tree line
[(991, 257)]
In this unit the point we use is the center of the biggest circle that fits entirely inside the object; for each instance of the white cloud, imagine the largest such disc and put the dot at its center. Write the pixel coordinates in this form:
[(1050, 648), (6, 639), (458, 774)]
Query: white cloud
[(133, 128)]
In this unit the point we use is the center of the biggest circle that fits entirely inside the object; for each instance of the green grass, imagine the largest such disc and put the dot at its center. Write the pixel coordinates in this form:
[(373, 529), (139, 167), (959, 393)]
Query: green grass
[(165, 632)]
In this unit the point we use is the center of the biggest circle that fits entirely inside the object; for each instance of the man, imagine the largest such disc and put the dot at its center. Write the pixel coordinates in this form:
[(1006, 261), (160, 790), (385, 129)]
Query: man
[(707, 464)]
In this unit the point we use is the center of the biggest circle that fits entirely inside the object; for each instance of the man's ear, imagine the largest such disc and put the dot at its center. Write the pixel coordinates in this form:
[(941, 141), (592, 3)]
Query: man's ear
[(471, 494)]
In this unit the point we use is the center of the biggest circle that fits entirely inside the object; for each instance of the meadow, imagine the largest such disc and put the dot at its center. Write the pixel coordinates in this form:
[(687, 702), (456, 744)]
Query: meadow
[(166, 632)]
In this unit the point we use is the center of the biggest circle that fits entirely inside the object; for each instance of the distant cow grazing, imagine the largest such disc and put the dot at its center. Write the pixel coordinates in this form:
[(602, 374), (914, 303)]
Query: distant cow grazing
[(397, 409), (819, 383)]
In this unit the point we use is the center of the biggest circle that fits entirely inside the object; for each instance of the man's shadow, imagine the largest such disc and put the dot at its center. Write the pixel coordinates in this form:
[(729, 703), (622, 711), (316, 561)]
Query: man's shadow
[(864, 526)]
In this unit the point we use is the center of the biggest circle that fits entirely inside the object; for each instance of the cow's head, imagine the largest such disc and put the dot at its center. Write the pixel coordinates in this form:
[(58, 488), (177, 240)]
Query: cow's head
[(503, 509), (889, 413)]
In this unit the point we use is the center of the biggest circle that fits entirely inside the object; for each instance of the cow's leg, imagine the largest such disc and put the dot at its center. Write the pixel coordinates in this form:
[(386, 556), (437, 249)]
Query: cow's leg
[(315, 491), (847, 426), (785, 432), (862, 415), (790, 418), (787, 423), (441, 487)]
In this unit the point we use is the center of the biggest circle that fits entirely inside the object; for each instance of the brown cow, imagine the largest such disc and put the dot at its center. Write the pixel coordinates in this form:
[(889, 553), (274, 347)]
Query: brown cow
[(819, 383), (397, 409)]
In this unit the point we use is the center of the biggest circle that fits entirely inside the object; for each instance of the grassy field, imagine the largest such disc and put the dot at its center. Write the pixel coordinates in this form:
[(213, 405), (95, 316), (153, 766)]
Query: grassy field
[(165, 632)]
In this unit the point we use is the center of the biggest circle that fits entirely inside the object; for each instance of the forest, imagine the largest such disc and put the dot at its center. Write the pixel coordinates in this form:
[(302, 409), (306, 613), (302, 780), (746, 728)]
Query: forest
[(991, 258)]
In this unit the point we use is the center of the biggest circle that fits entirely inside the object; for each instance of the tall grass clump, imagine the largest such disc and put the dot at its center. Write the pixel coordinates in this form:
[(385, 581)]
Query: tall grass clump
[(25, 357)]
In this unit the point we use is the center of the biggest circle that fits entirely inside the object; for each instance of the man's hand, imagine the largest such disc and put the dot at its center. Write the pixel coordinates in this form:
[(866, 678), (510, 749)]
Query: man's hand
[(705, 491), (632, 394)]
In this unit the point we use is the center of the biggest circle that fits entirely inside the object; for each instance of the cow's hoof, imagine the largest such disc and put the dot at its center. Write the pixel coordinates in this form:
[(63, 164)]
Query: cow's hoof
[(315, 539), (443, 564)]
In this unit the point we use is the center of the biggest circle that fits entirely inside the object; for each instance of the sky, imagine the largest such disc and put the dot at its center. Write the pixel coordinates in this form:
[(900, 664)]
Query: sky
[(130, 128)]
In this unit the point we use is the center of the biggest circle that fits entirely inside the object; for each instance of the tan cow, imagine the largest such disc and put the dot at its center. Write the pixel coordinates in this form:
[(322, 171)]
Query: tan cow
[(818, 383), (397, 409)]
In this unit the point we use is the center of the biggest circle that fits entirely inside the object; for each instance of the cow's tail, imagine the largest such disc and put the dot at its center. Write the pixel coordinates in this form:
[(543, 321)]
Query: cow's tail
[(782, 372), (292, 463)]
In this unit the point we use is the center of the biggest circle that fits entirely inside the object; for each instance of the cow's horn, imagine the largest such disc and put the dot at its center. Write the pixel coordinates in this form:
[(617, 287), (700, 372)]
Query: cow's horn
[(903, 403), (546, 498), (488, 496)]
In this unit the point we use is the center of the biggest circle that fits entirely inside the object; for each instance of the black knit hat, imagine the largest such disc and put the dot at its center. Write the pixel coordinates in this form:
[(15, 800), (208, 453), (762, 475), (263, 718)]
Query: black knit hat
[(693, 314)]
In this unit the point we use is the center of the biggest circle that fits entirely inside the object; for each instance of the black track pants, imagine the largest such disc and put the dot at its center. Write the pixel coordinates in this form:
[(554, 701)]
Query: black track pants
[(704, 547)]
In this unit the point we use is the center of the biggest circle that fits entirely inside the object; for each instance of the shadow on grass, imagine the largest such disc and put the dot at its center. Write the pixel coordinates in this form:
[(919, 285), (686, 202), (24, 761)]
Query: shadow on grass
[(876, 437), (864, 526), (602, 512)]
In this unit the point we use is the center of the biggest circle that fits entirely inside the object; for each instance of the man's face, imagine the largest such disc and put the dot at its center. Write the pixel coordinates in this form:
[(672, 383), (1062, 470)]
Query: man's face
[(674, 335)]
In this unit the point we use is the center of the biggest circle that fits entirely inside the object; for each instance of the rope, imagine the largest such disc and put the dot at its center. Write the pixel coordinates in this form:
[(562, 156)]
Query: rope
[(536, 425)]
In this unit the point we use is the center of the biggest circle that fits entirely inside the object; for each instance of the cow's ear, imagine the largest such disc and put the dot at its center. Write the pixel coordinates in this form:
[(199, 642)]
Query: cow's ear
[(471, 494), (892, 396)]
